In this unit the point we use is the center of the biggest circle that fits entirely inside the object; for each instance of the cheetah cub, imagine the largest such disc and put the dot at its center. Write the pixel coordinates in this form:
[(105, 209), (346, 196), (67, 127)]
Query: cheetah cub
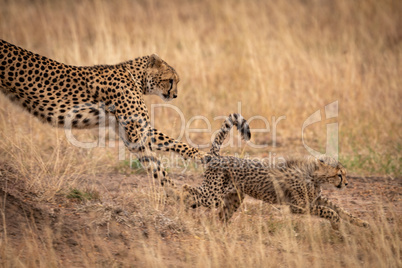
[(296, 182)]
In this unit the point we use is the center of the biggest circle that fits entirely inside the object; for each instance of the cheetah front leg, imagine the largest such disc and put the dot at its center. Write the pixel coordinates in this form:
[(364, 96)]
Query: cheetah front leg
[(298, 205), (163, 142), (135, 130), (138, 143), (327, 213), (342, 213)]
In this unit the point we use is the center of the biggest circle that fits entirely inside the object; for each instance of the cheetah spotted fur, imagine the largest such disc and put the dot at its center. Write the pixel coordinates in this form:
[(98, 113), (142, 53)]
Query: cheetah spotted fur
[(71, 96)]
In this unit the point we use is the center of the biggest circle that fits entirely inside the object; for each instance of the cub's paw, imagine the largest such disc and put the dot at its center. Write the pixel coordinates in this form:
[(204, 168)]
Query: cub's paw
[(361, 223), (365, 224)]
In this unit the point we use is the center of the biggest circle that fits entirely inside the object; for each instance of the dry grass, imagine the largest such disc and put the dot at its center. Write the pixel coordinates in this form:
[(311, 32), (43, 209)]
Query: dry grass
[(278, 58), (135, 228)]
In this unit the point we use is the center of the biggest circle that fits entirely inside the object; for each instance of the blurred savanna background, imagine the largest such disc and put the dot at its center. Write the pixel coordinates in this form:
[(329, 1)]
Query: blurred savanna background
[(71, 206)]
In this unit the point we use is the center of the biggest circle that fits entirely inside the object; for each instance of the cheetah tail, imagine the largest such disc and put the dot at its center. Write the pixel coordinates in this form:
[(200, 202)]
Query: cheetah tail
[(233, 119)]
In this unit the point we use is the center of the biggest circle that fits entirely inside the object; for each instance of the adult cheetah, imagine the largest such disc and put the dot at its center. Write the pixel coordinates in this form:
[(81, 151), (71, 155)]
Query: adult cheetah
[(296, 183), (71, 96)]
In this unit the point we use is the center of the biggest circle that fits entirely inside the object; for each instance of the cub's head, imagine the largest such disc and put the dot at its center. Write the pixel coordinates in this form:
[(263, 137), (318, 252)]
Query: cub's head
[(161, 79), (330, 172)]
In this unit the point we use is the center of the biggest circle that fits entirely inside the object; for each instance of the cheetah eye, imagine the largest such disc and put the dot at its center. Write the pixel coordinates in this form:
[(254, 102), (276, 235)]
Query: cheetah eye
[(340, 176), (171, 83)]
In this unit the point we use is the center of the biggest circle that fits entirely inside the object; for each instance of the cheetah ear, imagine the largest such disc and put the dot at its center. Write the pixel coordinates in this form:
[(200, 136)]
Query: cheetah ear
[(154, 61), (320, 163)]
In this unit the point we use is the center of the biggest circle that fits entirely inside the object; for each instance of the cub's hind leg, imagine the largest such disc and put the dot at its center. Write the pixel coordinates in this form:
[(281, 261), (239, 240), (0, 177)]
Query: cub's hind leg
[(211, 192), (230, 203)]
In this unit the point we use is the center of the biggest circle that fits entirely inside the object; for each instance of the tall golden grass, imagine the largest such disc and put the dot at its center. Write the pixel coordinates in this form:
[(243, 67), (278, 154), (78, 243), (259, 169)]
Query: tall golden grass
[(278, 58)]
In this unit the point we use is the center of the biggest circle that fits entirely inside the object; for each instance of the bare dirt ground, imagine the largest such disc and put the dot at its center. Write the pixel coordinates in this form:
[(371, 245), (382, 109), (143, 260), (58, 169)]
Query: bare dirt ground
[(62, 224)]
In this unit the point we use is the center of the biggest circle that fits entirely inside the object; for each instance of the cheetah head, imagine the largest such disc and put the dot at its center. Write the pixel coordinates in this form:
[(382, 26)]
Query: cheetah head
[(330, 172), (161, 79)]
